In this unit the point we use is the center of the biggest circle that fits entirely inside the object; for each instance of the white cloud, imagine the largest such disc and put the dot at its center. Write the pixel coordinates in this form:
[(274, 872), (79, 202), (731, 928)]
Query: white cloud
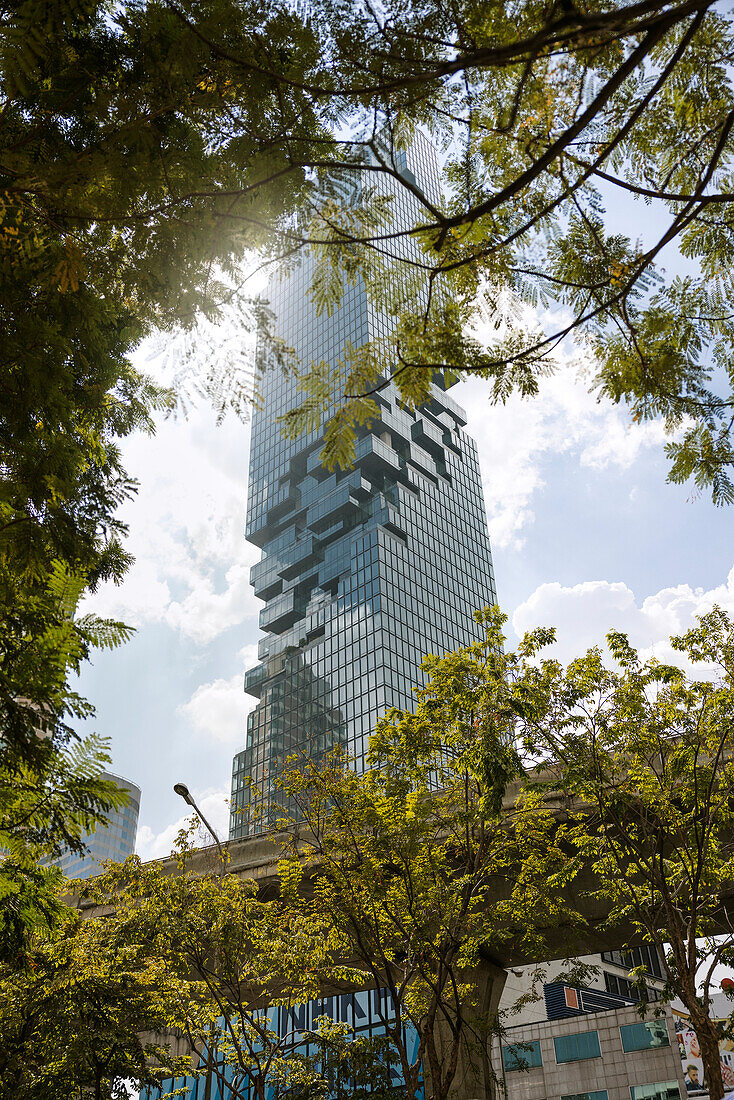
[(204, 613), (248, 655), (215, 807), (218, 710), (516, 439), (584, 613), (186, 530)]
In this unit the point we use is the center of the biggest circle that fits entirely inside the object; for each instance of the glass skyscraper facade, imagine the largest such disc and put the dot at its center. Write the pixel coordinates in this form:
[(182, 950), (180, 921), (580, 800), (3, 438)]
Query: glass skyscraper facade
[(365, 571), (114, 841)]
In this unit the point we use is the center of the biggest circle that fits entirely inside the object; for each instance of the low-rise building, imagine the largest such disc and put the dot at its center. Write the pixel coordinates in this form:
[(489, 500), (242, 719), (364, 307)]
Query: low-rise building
[(605, 1055)]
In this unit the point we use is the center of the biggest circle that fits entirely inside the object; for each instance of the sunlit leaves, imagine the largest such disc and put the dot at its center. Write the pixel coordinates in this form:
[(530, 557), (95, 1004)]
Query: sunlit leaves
[(542, 126), (645, 749), (406, 858)]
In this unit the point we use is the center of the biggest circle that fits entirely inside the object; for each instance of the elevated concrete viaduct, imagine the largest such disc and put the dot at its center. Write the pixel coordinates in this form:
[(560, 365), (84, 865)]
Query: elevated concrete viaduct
[(256, 858)]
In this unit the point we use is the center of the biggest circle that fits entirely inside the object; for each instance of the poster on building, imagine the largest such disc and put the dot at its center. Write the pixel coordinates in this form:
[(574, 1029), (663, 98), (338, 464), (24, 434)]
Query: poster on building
[(693, 1074)]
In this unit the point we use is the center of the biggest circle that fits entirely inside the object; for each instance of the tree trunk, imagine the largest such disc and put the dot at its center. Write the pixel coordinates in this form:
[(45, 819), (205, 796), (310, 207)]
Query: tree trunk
[(708, 1040), (434, 1077)]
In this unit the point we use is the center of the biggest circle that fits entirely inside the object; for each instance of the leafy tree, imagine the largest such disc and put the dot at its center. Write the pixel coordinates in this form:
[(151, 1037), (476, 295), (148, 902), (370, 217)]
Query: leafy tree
[(646, 754), (51, 790), (424, 872), (119, 168), (229, 956), (73, 1022), (120, 165), (147, 147), (342, 1066), (415, 875), (42, 815), (165, 972), (544, 112)]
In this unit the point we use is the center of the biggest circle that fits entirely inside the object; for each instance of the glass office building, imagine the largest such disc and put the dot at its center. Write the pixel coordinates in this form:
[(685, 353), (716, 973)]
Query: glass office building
[(114, 841), (365, 571), (362, 1012)]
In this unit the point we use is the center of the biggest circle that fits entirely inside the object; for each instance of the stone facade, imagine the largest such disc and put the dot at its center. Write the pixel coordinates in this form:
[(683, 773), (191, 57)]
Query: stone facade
[(614, 1073)]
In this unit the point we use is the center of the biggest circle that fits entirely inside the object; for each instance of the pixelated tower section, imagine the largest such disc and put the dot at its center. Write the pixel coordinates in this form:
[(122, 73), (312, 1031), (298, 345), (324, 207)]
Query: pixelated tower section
[(364, 571)]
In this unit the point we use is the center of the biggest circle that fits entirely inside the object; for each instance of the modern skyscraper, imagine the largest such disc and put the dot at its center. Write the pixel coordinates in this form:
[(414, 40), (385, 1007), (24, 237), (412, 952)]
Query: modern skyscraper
[(114, 841), (365, 571)]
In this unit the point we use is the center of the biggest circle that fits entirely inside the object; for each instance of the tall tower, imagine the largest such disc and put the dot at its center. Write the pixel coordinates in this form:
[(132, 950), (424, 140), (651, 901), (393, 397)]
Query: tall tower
[(365, 571), (114, 841)]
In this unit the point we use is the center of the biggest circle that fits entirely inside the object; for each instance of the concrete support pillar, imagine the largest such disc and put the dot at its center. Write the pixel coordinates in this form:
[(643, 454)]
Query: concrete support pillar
[(474, 1078), (177, 1043)]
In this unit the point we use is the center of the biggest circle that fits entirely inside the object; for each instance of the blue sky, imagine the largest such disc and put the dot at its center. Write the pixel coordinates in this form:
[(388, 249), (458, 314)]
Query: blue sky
[(586, 536)]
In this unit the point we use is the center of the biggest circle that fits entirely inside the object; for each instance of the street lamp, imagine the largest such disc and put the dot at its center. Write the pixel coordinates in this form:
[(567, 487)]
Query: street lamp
[(182, 790)]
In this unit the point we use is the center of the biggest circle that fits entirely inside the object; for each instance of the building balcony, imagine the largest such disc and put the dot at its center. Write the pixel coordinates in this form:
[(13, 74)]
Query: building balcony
[(282, 612), (452, 440), (376, 457), (440, 400), (254, 680), (429, 436), (265, 578), (257, 529), (282, 502), (340, 503), (299, 557), (423, 462)]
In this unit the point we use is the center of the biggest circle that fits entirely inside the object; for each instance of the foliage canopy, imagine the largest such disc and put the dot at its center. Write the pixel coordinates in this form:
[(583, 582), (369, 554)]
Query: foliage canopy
[(119, 168), (426, 872), (147, 147), (416, 876), (646, 752)]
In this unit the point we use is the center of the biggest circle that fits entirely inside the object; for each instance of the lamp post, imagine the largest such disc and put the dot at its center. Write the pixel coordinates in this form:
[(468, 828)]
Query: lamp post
[(184, 792)]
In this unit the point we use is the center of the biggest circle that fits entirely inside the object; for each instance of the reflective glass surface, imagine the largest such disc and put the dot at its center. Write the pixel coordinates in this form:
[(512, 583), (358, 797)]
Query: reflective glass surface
[(644, 1035), (578, 1047), (645, 956), (522, 1056), (665, 1090), (366, 1013), (114, 841), (365, 571)]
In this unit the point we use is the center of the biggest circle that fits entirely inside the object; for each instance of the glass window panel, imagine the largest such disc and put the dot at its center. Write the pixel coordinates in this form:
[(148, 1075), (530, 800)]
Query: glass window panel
[(578, 1047), (522, 1055), (644, 1035), (666, 1090)]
